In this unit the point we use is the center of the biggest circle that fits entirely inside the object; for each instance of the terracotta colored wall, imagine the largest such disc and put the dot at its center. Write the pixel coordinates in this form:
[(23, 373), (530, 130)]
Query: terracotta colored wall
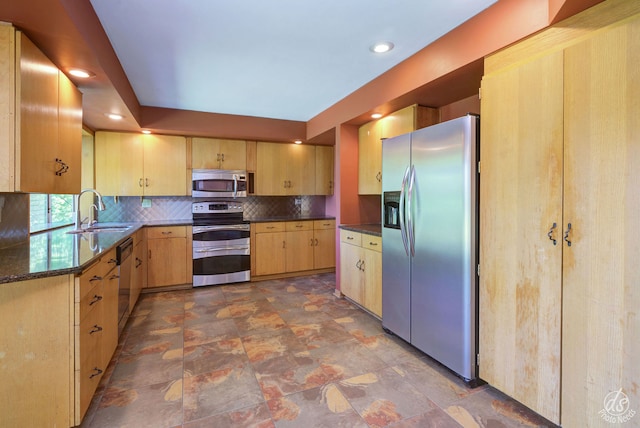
[(460, 108)]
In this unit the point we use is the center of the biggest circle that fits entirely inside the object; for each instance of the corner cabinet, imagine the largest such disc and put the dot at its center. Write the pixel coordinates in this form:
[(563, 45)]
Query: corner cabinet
[(559, 219), (214, 153), (130, 164), (283, 248), (324, 170), (40, 120), (361, 269), (370, 136)]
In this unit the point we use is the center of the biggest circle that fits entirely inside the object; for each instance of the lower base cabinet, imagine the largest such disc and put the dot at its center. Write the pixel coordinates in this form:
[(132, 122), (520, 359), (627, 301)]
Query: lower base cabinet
[(361, 269), (292, 246), (168, 256)]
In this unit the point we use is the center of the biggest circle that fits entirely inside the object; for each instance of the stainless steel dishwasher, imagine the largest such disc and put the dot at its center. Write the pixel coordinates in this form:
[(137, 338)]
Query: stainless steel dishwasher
[(123, 257)]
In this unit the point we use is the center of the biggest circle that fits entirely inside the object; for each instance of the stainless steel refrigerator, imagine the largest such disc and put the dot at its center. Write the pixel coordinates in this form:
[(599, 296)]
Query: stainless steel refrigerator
[(430, 241)]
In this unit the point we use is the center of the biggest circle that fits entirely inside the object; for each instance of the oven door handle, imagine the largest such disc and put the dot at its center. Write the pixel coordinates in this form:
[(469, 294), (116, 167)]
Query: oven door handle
[(200, 229), (208, 250)]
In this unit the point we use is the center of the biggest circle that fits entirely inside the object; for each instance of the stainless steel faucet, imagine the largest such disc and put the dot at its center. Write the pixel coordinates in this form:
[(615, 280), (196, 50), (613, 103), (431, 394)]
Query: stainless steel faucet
[(100, 206)]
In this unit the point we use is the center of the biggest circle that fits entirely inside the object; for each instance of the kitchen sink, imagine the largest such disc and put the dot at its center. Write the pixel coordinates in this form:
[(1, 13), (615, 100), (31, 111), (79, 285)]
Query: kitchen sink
[(101, 228)]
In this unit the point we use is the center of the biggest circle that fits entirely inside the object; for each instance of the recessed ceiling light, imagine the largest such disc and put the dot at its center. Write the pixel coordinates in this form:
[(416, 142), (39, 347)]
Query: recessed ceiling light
[(298, 142), (376, 115), (78, 72), (146, 131), (114, 116), (381, 47)]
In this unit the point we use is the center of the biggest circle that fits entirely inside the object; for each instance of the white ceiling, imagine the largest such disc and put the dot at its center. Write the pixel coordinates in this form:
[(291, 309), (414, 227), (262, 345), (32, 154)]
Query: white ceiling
[(282, 59)]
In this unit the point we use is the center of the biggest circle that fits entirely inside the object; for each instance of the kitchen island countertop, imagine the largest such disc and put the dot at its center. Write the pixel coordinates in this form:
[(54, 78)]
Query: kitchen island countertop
[(374, 229)]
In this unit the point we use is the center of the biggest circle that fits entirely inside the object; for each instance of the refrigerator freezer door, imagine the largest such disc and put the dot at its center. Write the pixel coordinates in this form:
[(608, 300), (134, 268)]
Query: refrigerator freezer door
[(443, 205), (396, 271)]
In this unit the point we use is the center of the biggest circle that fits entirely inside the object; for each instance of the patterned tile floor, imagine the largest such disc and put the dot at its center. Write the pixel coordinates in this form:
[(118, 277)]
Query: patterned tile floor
[(281, 353)]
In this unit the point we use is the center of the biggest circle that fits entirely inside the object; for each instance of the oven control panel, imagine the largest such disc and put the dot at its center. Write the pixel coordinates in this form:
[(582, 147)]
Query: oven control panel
[(213, 207)]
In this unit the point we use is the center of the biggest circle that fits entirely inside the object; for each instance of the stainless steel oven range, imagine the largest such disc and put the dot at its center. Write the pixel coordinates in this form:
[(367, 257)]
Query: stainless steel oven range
[(221, 250)]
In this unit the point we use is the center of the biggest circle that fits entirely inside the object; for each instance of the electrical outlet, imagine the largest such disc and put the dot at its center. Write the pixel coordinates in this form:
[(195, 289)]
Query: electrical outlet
[(146, 203), (298, 201)]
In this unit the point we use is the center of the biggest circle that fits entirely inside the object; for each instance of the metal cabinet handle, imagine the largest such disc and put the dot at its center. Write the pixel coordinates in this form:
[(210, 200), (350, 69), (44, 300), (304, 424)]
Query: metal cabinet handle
[(350, 238), (271, 227), (96, 372), (114, 261), (138, 262), (358, 264), (95, 299), (140, 182), (379, 177), (167, 232), (222, 157), (316, 242), (62, 168), (95, 278), (550, 234), (146, 182), (566, 235), (311, 244), (284, 244), (373, 244), (218, 157), (95, 329)]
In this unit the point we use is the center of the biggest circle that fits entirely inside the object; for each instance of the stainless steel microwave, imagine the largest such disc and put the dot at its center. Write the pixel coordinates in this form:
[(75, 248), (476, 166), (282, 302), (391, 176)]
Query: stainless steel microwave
[(218, 183)]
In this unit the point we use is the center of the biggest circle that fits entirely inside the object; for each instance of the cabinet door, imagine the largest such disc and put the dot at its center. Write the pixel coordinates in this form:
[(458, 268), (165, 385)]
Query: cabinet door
[(324, 170), (270, 253), (370, 158), (109, 317), (372, 271), (351, 278), (118, 164), (167, 262), (271, 169), (520, 200), (399, 122), (37, 142), (600, 299), (324, 250), (165, 165), (139, 271), (213, 153), (299, 254), (69, 136), (301, 169)]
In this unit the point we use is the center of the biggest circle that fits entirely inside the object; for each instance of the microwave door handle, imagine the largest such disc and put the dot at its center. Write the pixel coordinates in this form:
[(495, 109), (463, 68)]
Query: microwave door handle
[(235, 186)]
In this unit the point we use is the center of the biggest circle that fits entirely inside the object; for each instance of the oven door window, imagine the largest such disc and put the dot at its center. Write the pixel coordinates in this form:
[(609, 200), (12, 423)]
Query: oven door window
[(218, 261)]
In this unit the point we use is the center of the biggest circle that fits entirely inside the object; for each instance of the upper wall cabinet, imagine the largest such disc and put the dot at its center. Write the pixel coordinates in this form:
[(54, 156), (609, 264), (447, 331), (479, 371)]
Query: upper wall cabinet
[(370, 137), (40, 120), (129, 164), (285, 169), (213, 153), (324, 170)]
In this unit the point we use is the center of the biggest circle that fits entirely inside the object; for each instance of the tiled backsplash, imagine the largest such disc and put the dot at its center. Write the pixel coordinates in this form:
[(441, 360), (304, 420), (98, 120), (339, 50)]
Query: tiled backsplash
[(134, 208), (14, 218)]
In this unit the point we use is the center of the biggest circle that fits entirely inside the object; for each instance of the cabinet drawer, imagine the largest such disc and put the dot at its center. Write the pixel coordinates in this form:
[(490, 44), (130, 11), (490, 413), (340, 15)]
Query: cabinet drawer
[(167, 232), (90, 301), (324, 224), (292, 226), (372, 242), (89, 333), (91, 276), (350, 237), (275, 226)]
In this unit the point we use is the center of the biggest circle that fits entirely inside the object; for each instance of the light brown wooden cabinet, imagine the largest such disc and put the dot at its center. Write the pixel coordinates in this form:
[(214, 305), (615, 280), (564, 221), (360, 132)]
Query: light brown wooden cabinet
[(168, 256), (371, 134), (324, 170), (285, 169), (214, 153), (559, 231), (40, 121), (293, 246), (361, 269), (139, 271), (96, 328), (130, 164)]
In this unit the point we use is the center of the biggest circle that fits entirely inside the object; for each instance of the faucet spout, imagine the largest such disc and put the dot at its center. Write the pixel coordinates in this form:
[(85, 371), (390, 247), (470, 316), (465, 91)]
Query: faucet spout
[(100, 206)]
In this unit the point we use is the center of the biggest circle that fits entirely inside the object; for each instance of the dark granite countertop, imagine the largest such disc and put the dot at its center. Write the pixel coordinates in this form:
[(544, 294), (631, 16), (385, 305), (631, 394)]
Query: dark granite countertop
[(288, 218), (374, 229), (60, 253)]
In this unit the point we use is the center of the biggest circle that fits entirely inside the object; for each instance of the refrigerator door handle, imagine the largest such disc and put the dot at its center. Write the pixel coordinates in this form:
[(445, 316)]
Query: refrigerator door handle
[(403, 228), (412, 238)]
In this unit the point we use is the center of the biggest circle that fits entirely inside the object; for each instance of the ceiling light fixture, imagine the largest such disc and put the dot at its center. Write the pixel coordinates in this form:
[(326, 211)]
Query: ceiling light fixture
[(298, 142), (376, 115), (381, 47), (146, 131), (114, 116), (83, 74)]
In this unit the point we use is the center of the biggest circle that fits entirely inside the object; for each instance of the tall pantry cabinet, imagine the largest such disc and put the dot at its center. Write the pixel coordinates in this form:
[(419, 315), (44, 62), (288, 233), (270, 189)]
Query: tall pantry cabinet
[(560, 217)]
